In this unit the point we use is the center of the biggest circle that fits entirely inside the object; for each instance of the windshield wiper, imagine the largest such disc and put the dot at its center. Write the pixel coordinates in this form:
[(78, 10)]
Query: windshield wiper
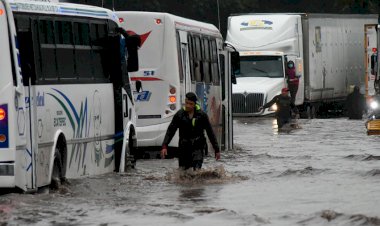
[(266, 73)]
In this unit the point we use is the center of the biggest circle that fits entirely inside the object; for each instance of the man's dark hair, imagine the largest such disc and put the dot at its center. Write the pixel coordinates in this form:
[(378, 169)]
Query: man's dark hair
[(191, 96)]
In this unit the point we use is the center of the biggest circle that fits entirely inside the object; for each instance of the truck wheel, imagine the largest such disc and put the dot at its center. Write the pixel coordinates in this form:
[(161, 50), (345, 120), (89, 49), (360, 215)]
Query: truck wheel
[(377, 86), (310, 111), (56, 175)]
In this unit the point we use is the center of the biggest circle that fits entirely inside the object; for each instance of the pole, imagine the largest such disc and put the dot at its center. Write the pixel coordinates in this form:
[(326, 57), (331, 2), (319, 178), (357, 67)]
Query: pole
[(217, 3)]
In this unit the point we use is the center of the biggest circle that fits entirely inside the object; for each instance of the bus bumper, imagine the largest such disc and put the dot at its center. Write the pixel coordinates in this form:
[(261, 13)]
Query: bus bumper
[(153, 136), (7, 175)]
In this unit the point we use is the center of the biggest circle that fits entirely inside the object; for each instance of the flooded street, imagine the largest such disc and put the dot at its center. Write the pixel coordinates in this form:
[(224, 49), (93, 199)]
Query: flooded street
[(326, 173)]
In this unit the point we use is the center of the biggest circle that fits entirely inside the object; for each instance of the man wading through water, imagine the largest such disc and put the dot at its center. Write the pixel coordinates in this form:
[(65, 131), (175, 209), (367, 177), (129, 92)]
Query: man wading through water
[(284, 107), (191, 122)]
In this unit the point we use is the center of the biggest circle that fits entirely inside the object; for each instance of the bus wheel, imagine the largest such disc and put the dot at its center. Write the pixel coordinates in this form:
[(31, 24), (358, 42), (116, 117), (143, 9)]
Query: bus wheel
[(130, 158), (56, 175)]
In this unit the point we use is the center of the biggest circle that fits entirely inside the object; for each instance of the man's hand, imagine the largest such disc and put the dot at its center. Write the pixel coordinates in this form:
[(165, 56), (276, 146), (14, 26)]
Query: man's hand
[(217, 155), (164, 152), (261, 108)]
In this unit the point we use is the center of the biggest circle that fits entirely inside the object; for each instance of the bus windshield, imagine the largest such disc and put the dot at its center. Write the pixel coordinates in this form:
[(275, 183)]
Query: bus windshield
[(261, 66)]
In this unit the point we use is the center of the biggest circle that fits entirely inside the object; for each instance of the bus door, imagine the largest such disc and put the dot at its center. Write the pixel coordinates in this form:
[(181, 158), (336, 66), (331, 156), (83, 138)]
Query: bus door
[(225, 71), (13, 125), (184, 64), (26, 50)]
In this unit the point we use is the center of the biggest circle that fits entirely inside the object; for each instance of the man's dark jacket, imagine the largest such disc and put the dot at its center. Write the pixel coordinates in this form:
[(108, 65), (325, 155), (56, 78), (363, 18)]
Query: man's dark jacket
[(284, 106), (356, 104), (192, 140)]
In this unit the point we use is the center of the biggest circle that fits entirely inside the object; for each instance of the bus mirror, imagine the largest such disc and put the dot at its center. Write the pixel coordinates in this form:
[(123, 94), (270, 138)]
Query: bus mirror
[(235, 61), (133, 43), (235, 66), (233, 79), (138, 86)]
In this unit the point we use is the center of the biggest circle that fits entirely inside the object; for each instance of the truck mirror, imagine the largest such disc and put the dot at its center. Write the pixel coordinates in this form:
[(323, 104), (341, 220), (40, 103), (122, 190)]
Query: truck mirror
[(138, 85), (132, 43)]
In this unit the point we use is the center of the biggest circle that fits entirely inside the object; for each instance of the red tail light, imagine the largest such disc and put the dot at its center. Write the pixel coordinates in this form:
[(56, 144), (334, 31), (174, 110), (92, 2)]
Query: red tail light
[(2, 114)]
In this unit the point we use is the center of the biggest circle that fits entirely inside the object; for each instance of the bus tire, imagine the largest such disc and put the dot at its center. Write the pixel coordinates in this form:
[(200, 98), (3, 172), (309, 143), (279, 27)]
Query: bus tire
[(56, 175)]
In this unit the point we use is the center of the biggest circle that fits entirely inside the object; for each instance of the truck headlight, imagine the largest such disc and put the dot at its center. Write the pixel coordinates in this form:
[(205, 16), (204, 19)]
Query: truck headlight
[(374, 105), (273, 107)]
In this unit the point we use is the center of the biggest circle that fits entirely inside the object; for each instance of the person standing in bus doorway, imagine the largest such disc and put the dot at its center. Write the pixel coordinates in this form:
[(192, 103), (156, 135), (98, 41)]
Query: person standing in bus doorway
[(292, 79), (191, 122), (293, 83), (355, 104), (284, 107)]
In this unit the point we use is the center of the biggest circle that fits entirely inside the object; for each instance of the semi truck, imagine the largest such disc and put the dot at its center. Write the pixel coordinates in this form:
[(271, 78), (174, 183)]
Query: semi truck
[(329, 51)]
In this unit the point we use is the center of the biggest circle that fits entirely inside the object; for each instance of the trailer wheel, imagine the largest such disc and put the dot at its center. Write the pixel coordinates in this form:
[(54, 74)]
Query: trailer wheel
[(56, 175), (377, 86), (310, 111)]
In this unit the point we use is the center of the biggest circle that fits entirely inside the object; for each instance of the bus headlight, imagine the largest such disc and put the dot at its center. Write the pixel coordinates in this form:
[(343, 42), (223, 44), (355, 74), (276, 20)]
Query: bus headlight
[(273, 108), (374, 105)]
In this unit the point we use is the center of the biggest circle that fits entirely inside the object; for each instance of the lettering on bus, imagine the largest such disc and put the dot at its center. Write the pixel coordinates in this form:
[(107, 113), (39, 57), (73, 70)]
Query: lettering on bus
[(40, 99), (34, 7), (148, 73), (143, 96), (60, 121)]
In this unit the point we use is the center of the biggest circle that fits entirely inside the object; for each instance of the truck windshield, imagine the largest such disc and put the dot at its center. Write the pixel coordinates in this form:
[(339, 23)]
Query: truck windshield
[(261, 66)]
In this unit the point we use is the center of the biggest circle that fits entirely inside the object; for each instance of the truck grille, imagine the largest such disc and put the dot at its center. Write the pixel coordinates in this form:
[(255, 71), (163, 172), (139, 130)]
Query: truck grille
[(247, 104)]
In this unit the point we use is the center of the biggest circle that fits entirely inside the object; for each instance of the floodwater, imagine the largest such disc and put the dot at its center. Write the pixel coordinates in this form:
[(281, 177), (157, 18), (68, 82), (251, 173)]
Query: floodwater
[(325, 173)]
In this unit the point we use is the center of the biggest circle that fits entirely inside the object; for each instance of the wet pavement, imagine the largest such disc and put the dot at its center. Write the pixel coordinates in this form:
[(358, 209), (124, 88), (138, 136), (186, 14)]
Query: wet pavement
[(325, 173)]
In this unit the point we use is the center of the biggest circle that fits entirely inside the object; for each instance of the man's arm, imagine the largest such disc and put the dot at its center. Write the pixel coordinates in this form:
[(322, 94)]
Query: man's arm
[(270, 103), (211, 136), (170, 133)]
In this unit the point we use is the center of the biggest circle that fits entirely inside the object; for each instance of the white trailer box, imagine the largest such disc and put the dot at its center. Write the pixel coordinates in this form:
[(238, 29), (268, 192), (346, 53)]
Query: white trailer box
[(328, 50)]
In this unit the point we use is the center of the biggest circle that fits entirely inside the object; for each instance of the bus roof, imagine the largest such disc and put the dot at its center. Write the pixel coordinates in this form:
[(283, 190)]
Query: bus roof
[(61, 8), (177, 21)]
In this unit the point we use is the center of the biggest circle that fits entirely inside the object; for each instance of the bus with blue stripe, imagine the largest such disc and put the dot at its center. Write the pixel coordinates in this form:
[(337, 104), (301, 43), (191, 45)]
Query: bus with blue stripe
[(66, 107)]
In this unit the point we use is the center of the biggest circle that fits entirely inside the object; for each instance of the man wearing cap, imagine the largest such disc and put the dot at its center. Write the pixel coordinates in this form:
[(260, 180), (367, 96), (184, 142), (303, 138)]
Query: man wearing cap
[(191, 122), (284, 107)]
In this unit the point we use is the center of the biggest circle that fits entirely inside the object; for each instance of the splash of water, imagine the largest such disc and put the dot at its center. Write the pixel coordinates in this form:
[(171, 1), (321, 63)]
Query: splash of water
[(211, 175)]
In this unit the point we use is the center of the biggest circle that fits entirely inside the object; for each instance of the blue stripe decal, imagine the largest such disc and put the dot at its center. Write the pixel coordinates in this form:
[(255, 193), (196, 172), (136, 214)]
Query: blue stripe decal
[(109, 148), (30, 164), (71, 105), (84, 13), (119, 134)]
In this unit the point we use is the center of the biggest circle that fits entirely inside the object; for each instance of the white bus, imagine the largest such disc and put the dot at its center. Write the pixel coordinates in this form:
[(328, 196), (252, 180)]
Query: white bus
[(180, 55), (61, 81)]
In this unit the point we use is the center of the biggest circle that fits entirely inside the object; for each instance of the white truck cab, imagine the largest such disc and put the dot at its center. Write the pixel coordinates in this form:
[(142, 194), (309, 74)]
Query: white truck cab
[(260, 78)]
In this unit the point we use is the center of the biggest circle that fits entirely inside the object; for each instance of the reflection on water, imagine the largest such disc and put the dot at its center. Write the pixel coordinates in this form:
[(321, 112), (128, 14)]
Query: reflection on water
[(325, 173)]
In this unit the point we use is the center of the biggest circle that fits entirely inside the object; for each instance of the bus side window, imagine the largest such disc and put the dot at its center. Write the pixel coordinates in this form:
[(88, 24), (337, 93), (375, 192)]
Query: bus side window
[(97, 47), (192, 60), (180, 52), (65, 50), (198, 60), (82, 52), (25, 41), (223, 75), (48, 50), (214, 63), (206, 60)]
